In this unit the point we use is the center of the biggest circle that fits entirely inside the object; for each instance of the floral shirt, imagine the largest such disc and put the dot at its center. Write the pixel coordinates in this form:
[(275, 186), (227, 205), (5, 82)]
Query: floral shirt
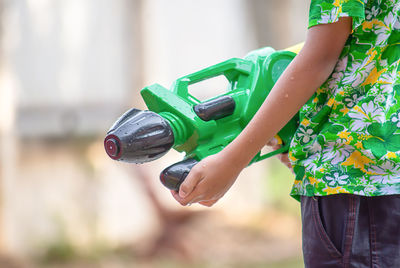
[(348, 140)]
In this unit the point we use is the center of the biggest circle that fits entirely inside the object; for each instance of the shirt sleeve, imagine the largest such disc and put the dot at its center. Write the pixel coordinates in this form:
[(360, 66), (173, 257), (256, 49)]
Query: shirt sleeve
[(329, 11)]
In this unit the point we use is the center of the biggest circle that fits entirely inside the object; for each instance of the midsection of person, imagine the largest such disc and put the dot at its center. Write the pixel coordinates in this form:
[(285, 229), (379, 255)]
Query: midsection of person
[(348, 138)]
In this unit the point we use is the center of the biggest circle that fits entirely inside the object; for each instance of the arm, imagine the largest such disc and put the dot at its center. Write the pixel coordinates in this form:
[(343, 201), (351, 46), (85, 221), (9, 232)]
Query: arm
[(209, 180)]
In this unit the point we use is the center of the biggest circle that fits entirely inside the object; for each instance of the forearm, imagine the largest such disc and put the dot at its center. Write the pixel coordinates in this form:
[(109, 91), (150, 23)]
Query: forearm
[(209, 180), (296, 85), (311, 67)]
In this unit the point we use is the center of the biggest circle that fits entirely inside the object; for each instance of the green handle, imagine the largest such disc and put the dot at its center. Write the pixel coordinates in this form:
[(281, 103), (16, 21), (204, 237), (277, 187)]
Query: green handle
[(230, 69)]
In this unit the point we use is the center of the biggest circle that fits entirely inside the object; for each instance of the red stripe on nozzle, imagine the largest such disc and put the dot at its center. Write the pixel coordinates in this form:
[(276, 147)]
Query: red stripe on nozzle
[(111, 145)]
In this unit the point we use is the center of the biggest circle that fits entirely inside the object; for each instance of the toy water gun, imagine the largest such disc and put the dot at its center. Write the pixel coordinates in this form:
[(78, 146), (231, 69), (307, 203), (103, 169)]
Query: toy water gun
[(176, 119)]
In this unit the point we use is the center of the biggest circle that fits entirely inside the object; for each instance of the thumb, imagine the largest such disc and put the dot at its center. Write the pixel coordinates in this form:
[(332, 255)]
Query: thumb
[(190, 182)]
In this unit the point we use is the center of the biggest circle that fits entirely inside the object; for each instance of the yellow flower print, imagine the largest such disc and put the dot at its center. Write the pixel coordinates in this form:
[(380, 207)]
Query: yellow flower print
[(291, 157), (336, 190), (371, 53), (312, 180), (373, 77), (370, 24), (330, 102), (344, 134), (305, 122), (359, 145), (344, 110), (357, 160)]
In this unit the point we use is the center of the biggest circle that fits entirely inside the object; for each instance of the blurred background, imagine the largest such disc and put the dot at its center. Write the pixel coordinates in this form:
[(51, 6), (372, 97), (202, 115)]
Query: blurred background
[(68, 70)]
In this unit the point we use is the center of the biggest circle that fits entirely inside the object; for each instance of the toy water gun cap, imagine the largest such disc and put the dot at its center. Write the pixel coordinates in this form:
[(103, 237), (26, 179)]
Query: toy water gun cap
[(138, 137)]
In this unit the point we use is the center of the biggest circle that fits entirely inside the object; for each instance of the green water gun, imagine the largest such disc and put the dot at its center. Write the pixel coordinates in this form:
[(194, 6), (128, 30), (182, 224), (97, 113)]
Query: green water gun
[(176, 119)]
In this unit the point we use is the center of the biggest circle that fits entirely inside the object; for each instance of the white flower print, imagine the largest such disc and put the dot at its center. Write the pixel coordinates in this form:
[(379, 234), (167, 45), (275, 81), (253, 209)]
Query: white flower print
[(396, 24), (306, 134), (335, 179), (388, 172), (379, 99), (357, 73), (352, 100), (374, 90), (369, 190), (315, 147), (363, 180), (329, 16), (336, 153), (389, 189), (396, 119), (365, 115), (311, 163), (383, 32), (335, 79), (360, 192), (387, 88), (338, 73), (390, 19), (341, 64), (370, 13), (386, 81), (306, 107)]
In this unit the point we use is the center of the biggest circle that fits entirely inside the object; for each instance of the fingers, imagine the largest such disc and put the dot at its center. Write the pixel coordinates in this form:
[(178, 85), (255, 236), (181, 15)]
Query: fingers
[(185, 202), (193, 197), (187, 193), (190, 182), (284, 158), (208, 203), (273, 142), (175, 194)]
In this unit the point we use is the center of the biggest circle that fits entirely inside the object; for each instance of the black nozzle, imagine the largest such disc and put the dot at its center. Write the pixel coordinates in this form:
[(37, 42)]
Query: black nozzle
[(173, 176), (139, 136)]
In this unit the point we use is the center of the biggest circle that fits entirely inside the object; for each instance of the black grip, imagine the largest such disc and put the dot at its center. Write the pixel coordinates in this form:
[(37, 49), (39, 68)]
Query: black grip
[(214, 109), (172, 176)]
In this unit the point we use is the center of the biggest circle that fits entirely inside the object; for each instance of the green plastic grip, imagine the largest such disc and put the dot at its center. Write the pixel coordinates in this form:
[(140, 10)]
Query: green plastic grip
[(229, 69)]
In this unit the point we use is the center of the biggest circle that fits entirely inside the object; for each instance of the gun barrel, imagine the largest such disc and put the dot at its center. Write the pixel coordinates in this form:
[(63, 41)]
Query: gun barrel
[(139, 136)]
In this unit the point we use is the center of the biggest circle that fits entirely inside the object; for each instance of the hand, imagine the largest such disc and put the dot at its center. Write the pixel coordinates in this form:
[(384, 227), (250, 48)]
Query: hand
[(284, 158), (207, 181)]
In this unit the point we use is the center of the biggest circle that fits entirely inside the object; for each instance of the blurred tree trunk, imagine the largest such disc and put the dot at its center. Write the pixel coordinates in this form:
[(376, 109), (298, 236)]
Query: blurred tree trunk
[(7, 137), (138, 47), (171, 239), (3, 163)]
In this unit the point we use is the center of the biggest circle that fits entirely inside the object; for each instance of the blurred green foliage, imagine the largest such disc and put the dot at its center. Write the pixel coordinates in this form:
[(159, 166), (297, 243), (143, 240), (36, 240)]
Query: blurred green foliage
[(278, 184)]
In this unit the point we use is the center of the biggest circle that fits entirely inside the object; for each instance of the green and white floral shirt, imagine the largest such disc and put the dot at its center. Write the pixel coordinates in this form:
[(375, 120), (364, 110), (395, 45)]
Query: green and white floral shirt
[(348, 140)]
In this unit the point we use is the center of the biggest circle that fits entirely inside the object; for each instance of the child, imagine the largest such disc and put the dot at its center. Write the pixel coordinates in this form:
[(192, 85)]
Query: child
[(346, 151)]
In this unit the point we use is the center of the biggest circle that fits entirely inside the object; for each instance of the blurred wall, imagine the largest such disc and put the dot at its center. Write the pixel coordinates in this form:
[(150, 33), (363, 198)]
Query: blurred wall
[(67, 72), (74, 62), (279, 23)]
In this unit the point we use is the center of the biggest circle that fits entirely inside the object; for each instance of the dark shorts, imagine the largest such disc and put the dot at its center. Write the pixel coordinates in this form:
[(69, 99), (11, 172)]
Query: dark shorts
[(351, 231)]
